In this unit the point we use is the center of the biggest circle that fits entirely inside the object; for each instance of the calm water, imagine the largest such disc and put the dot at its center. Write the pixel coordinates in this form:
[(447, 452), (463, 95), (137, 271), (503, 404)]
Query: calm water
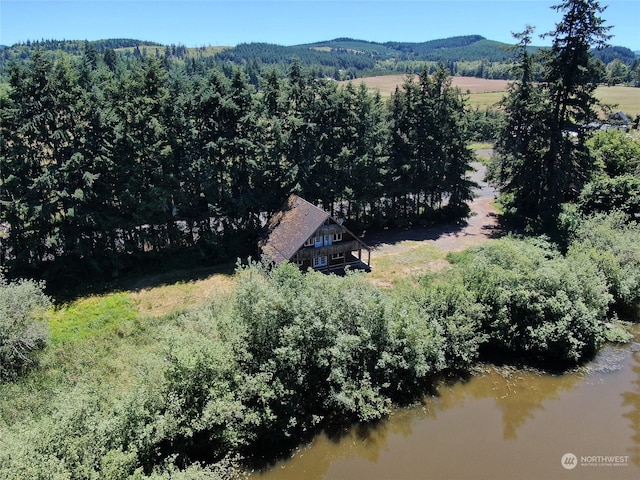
[(496, 426)]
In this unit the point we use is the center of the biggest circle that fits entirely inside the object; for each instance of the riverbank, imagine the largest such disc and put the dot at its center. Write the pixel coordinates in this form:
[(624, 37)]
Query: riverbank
[(500, 424)]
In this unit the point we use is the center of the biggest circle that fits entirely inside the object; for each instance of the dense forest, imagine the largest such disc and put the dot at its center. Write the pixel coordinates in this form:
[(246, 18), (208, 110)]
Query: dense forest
[(117, 154), (111, 162)]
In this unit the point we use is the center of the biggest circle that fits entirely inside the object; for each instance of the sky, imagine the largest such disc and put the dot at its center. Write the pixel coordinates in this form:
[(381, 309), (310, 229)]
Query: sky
[(197, 23)]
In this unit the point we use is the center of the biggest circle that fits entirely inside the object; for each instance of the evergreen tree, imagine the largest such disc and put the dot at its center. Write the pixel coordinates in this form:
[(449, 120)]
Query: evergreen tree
[(570, 80), (399, 171), (240, 151), (517, 166), (545, 161), (300, 137), (428, 147), (362, 158), (277, 172)]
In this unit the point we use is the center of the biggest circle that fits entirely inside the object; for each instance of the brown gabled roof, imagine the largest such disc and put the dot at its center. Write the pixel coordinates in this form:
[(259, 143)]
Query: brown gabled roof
[(288, 229)]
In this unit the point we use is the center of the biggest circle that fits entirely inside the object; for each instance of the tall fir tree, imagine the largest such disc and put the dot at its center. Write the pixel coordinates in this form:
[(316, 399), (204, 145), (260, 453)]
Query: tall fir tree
[(517, 166), (541, 153)]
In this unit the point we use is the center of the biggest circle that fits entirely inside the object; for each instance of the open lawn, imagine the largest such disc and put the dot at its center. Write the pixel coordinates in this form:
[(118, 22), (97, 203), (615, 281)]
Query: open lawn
[(627, 99), (484, 93)]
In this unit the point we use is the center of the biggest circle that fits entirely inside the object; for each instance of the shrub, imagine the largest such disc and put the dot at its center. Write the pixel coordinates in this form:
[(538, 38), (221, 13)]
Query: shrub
[(22, 326), (611, 243), (615, 152), (606, 194), (539, 307), (433, 328), (318, 338)]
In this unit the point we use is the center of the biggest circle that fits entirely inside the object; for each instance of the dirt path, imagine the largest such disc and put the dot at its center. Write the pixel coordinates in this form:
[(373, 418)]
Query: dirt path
[(481, 226)]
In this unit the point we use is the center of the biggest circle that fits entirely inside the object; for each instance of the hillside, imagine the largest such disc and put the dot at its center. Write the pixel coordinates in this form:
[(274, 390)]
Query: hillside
[(340, 58), (464, 48), (364, 55)]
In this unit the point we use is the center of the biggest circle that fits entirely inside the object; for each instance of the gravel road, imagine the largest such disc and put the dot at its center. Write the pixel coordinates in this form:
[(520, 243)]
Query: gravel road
[(481, 226)]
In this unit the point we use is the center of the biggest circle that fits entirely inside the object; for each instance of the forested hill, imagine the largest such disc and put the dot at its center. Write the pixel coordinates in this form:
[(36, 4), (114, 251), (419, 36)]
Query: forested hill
[(362, 55), (341, 58), (465, 48), (75, 47)]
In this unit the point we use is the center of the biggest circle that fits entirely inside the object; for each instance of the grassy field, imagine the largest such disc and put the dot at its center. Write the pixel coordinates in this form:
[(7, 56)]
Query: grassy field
[(386, 84), (485, 93), (627, 99)]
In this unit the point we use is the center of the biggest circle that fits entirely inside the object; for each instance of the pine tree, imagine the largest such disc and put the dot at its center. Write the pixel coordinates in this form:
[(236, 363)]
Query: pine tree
[(517, 166), (570, 79), (428, 156), (542, 157)]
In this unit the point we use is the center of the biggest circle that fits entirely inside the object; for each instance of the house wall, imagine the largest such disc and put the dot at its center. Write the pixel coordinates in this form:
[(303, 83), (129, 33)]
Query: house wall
[(331, 246)]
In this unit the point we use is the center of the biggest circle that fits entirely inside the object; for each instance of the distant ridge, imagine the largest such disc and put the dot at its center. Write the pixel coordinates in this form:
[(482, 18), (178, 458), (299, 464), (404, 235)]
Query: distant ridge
[(461, 48), (341, 58)]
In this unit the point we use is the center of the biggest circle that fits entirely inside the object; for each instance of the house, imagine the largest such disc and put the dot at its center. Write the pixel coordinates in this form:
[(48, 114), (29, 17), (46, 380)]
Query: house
[(306, 235), (616, 121)]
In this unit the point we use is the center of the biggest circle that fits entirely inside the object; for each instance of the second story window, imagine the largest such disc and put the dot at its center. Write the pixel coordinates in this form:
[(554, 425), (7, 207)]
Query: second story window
[(337, 237)]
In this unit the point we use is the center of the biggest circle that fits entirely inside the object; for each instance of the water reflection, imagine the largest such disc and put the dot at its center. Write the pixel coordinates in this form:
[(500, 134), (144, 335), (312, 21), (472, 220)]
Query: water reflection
[(631, 402), (499, 424)]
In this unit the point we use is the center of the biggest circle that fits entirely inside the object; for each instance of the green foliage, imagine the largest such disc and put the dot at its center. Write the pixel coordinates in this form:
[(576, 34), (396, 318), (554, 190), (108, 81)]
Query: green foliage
[(294, 352), (22, 325), (542, 158), (539, 306), (428, 149), (433, 327), (90, 317), (617, 333), (319, 338), (107, 166), (484, 125), (611, 243), (615, 152), (607, 194)]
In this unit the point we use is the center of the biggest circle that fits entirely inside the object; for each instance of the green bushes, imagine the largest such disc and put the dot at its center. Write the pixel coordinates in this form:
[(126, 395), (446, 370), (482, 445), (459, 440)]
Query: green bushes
[(432, 328), (319, 339), (289, 353), (22, 329), (612, 244), (539, 307), (340, 349)]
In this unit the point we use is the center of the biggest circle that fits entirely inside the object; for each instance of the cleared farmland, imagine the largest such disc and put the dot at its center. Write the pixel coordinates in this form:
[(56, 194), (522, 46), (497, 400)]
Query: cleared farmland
[(486, 93), (386, 84)]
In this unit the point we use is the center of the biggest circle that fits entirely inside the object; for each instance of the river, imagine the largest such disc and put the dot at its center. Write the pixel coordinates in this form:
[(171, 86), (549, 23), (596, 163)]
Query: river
[(508, 424)]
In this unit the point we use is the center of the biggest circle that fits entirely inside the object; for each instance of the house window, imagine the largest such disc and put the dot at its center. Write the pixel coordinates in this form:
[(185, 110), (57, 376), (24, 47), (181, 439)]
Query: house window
[(309, 242), (328, 240), (320, 261), (337, 256), (337, 237), (318, 240)]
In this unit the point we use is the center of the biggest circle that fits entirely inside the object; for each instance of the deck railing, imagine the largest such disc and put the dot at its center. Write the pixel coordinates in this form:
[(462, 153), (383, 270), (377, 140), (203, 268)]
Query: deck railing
[(338, 247)]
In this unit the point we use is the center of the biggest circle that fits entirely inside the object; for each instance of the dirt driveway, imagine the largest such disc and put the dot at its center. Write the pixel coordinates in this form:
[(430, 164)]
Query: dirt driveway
[(481, 226)]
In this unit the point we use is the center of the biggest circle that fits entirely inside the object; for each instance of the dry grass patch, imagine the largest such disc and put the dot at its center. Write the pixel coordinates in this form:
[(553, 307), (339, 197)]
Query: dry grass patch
[(403, 260), (486, 93), (386, 84), (164, 299), (627, 99)]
